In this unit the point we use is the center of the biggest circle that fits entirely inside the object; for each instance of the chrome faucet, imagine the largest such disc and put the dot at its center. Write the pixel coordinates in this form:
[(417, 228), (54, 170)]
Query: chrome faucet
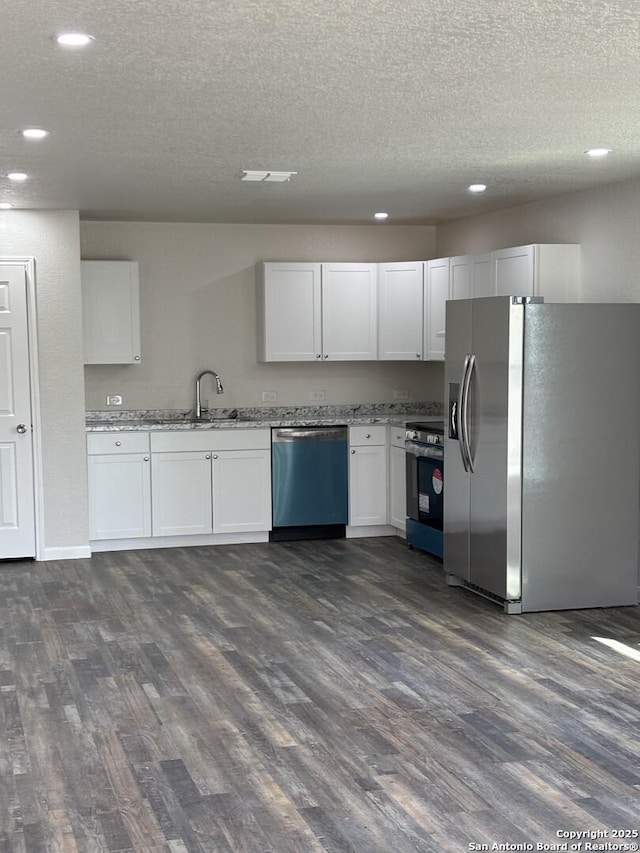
[(219, 389)]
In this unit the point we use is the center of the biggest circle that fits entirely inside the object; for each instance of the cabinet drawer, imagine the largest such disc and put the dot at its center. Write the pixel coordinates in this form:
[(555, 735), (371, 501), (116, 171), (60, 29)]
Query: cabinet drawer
[(117, 442), (397, 436), (208, 440), (362, 435)]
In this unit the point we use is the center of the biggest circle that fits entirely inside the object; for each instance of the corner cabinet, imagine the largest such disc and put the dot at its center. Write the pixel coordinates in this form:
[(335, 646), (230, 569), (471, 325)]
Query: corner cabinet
[(317, 312), (110, 312), (436, 295), (470, 276)]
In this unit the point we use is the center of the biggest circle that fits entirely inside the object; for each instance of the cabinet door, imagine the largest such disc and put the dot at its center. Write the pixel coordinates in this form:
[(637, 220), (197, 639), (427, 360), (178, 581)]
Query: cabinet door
[(349, 312), (368, 485), (481, 281), (110, 312), (289, 312), (119, 496), (181, 493), (460, 277), (398, 487), (401, 311), (437, 293), (513, 271), (241, 491)]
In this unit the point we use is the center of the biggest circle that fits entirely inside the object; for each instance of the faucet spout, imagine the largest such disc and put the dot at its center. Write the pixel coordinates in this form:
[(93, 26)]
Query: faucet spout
[(219, 388)]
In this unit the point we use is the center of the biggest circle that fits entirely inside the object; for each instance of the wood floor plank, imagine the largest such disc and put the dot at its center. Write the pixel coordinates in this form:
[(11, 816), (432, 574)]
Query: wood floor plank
[(302, 697)]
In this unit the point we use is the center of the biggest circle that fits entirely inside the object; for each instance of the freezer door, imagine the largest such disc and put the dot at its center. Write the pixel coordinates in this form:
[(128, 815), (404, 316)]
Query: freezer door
[(456, 475)]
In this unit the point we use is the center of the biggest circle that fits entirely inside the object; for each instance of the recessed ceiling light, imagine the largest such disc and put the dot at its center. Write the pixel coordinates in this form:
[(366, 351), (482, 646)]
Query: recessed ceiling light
[(74, 39), (598, 152), (17, 176), (267, 177), (477, 188), (381, 215), (4, 205), (35, 133)]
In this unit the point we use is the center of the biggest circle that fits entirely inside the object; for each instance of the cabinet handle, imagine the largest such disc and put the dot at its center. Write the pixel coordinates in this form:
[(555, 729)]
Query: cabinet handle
[(418, 355), (208, 456), (146, 458), (118, 443), (318, 355), (353, 451), (136, 358), (215, 455), (326, 355), (368, 435)]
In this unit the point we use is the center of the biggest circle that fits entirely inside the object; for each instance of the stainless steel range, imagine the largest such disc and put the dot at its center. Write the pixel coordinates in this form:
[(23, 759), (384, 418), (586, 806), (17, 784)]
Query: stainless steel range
[(424, 446)]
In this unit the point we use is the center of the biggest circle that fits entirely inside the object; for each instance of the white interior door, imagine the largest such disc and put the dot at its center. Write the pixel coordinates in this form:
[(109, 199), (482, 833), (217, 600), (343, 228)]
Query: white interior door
[(17, 515)]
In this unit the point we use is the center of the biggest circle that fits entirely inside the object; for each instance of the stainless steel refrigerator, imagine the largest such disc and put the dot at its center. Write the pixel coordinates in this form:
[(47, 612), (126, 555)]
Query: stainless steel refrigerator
[(542, 452)]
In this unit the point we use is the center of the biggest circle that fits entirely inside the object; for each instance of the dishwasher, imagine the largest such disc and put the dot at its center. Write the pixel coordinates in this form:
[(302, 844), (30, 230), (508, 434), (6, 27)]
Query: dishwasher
[(310, 492)]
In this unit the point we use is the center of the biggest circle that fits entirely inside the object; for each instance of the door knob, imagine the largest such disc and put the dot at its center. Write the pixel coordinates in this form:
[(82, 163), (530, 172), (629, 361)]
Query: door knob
[(21, 428)]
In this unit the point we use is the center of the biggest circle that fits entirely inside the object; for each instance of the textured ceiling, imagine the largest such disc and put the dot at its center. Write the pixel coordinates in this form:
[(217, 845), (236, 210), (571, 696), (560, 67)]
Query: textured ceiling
[(390, 105)]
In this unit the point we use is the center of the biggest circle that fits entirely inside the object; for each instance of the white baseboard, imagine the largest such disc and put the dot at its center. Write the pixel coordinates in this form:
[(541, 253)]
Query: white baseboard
[(77, 552), (98, 545), (370, 530)]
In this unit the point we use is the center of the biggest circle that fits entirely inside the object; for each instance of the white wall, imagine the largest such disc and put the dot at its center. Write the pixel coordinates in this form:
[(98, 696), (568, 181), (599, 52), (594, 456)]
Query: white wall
[(52, 238), (198, 310), (605, 221)]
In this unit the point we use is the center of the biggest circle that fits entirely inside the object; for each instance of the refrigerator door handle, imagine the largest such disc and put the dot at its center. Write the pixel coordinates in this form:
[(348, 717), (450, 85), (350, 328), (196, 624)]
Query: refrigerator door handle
[(460, 415), (470, 363)]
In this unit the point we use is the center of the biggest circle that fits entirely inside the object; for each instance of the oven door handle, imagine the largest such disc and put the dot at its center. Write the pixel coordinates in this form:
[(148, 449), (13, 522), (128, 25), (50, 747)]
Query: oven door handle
[(470, 365)]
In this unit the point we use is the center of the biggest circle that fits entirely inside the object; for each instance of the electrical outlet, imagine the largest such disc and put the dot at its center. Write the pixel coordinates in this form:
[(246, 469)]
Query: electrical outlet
[(400, 395), (269, 396), (114, 400), (317, 396)]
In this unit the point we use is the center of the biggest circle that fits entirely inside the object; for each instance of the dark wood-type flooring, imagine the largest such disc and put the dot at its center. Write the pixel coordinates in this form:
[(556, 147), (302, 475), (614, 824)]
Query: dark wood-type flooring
[(302, 697)]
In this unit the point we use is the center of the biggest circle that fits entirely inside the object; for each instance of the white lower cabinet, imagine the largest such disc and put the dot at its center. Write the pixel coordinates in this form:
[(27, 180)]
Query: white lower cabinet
[(397, 479), (178, 484), (119, 496), (181, 493), (119, 472), (241, 491), (368, 476)]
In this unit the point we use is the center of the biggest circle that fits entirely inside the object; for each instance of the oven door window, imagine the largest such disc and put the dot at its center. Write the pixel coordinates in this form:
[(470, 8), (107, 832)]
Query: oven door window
[(430, 491)]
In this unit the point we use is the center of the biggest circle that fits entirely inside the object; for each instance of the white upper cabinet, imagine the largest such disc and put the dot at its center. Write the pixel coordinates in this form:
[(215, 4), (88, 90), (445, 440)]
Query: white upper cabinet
[(350, 312), (460, 277), (110, 312), (545, 269), (395, 311), (401, 311), (481, 283), (470, 276), (309, 311), (289, 312), (436, 295)]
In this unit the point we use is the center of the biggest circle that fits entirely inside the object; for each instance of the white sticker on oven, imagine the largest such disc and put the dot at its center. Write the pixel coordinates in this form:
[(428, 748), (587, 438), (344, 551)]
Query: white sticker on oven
[(436, 481), (423, 502)]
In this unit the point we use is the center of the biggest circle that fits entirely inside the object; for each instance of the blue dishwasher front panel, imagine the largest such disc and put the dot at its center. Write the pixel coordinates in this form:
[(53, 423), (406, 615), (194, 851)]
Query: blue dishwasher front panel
[(310, 476)]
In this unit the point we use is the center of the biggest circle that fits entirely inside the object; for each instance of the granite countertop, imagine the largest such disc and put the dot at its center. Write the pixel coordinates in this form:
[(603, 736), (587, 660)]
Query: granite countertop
[(251, 418)]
